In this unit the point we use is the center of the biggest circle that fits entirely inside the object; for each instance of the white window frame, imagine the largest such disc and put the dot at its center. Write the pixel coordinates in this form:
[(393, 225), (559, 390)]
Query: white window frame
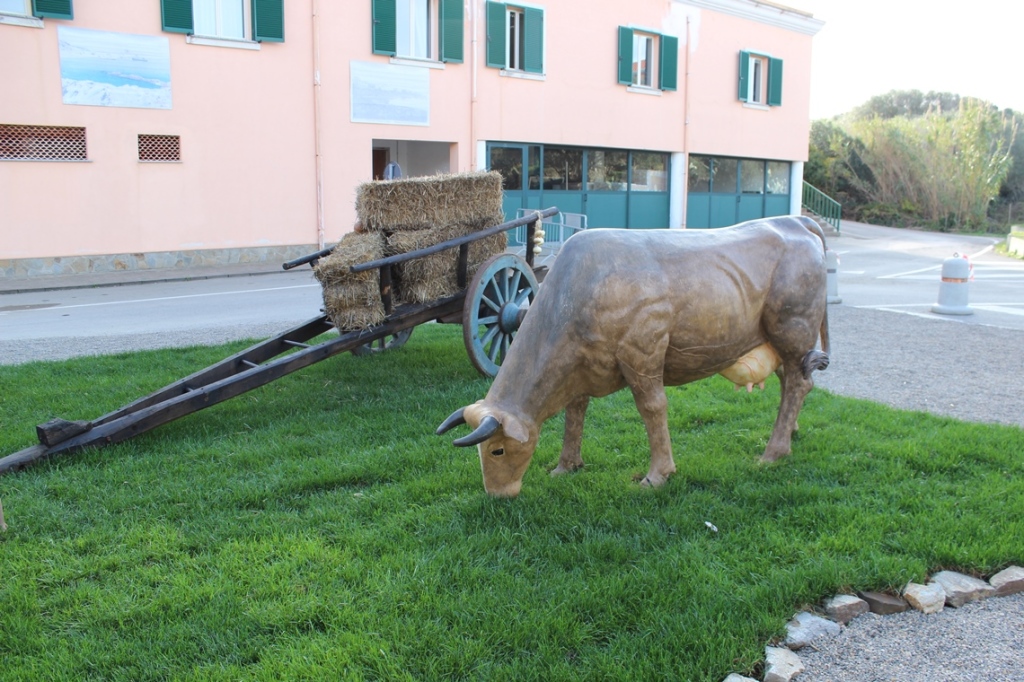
[(757, 80), (408, 32), (643, 59), (514, 42), (22, 17), (220, 31)]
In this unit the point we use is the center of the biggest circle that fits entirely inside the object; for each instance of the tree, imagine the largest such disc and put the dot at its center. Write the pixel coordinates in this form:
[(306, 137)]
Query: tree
[(835, 164), (907, 156), (906, 104)]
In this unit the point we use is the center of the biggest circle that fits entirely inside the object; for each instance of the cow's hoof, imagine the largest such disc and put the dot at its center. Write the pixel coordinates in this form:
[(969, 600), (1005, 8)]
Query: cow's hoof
[(651, 480), (559, 470), (770, 456)]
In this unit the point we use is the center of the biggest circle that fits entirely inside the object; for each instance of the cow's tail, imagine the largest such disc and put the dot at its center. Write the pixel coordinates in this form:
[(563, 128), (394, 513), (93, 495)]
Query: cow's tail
[(818, 360)]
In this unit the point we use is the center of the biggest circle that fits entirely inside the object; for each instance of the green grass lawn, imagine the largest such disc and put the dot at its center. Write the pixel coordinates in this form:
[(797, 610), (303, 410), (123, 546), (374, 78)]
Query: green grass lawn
[(318, 529)]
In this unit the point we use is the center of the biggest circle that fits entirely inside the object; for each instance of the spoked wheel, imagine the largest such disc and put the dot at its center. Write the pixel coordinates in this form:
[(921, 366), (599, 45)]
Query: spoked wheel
[(496, 303), (390, 342)]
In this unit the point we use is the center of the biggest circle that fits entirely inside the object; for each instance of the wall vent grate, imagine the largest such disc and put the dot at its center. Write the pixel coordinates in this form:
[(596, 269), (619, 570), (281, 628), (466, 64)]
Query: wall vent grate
[(42, 143), (159, 148)]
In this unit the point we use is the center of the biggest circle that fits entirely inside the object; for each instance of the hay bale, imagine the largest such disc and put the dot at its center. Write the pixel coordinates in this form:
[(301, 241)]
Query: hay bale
[(429, 278), (424, 203), (352, 301)]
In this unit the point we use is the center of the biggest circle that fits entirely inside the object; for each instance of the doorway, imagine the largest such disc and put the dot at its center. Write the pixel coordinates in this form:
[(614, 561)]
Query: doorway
[(381, 158)]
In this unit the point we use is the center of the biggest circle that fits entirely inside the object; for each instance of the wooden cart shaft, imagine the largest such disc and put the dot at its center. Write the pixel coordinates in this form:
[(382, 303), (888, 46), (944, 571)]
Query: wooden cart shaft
[(262, 363)]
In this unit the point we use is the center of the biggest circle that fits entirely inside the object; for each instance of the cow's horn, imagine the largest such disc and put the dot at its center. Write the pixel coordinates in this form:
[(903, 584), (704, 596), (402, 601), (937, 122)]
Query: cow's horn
[(456, 419), (486, 429)]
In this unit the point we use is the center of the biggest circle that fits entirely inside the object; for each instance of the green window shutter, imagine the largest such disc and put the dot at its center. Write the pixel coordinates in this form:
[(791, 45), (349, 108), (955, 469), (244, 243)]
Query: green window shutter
[(176, 15), (268, 20), (58, 9), (385, 29), (625, 55), (533, 40), (668, 62), (496, 37), (452, 23), (744, 87), (774, 82)]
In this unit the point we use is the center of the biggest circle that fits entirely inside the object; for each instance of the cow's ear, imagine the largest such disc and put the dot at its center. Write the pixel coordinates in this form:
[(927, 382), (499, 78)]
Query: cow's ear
[(514, 427)]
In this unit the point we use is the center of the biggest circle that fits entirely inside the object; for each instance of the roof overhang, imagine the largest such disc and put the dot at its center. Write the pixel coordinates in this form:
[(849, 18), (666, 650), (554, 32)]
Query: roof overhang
[(764, 12)]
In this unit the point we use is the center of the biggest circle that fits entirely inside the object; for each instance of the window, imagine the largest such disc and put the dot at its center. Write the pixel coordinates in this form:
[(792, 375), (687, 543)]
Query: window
[(699, 179), (649, 172), (778, 177), (42, 143), (563, 168), (219, 18), (58, 9), (642, 54), (760, 79), (419, 29), (255, 20), (725, 176), (606, 170), (15, 7), (751, 176), (514, 46), (515, 37), (412, 34), (643, 59)]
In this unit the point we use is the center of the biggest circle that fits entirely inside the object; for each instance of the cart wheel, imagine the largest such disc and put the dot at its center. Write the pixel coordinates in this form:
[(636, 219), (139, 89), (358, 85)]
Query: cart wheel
[(496, 302), (384, 343)]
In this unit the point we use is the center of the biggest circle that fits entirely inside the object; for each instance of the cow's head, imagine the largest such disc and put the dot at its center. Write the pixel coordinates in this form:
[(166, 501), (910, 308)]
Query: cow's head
[(505, 442)]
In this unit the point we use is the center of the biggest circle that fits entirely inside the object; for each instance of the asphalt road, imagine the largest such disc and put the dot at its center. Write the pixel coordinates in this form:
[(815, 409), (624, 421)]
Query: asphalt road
[(880, 268), (64, 323), (899, 270)]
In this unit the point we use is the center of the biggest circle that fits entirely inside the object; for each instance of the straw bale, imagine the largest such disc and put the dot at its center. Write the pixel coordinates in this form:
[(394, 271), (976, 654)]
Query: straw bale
[(352, 300), (423, 203), (429, 278)]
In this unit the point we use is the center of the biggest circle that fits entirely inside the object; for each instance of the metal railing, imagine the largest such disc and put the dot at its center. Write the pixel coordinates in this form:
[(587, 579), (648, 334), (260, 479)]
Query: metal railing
[(821, 204), (557, 229)]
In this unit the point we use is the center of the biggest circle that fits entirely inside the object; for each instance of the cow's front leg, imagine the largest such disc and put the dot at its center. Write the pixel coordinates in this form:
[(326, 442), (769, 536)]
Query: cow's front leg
[(794, 386), (652, 404), (571, 459)]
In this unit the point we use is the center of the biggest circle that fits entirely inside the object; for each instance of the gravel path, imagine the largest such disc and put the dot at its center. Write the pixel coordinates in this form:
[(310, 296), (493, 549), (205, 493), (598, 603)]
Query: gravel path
[(982, 640), (970, 372)]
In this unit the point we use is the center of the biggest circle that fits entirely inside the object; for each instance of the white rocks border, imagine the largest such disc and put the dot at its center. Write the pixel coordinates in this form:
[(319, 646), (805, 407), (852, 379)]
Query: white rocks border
[(946, 588)]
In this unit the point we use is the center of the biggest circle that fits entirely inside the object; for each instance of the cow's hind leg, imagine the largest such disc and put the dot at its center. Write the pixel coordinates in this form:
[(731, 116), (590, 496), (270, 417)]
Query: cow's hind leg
[(796, 383), (571, 459)]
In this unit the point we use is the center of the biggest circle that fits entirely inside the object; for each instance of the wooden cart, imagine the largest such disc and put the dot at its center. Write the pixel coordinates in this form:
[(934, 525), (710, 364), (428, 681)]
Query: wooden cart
[(490, 308)]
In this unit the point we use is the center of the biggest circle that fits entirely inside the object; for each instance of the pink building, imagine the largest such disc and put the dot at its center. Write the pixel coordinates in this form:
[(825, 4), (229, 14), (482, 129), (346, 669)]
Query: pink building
[(164, 133)]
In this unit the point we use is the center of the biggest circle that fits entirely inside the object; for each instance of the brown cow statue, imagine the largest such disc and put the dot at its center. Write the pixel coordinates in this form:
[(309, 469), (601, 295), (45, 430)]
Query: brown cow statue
[(648, 309)]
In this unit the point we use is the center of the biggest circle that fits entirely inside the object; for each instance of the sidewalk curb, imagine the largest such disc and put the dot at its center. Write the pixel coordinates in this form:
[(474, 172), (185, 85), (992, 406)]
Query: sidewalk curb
[(25, 285)]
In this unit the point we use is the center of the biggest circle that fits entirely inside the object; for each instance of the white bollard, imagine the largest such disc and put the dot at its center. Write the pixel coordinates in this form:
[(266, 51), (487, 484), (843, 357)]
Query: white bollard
[(956, 275), (832, 276)]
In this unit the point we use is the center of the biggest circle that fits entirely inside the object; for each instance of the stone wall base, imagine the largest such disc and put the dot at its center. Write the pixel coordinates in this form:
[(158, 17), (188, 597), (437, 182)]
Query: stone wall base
[(23, 268)]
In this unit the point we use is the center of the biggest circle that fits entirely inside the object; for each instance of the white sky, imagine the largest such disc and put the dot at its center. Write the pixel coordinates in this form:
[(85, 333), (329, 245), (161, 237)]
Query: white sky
[(869, 47)]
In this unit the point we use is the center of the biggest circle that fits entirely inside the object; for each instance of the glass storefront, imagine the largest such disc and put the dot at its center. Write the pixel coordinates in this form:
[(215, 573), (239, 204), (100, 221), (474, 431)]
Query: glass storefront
[(612, 187), (723, 191)]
